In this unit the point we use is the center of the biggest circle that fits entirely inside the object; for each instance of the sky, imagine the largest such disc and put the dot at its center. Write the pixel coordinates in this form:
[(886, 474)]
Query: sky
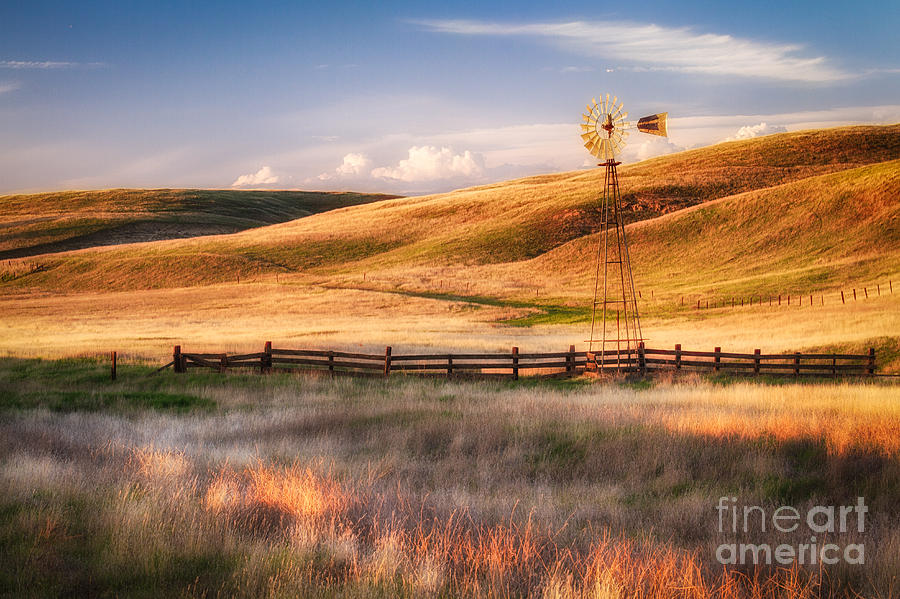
[(411, 97)]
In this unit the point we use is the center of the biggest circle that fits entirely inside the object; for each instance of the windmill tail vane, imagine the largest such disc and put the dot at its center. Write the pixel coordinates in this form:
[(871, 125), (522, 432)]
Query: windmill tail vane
[(655, 124)]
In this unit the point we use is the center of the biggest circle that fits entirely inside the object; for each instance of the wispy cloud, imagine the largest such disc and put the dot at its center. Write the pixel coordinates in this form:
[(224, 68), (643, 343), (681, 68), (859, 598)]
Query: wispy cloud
[(654, 47), (49, 64), (8, 86)]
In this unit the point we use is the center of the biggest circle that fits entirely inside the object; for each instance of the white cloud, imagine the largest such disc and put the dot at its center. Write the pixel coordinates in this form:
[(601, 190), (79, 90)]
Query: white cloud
[(429, 163), (761, 129), (48, 64), (354, 164), (678, 49), (264, 176)]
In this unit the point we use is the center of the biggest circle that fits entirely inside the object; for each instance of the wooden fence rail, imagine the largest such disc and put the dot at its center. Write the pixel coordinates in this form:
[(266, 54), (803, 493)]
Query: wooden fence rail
[(510, 365), (642, 360)]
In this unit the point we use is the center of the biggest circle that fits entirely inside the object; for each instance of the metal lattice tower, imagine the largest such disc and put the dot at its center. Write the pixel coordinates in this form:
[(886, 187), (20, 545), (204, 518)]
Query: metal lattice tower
[(614, 280)]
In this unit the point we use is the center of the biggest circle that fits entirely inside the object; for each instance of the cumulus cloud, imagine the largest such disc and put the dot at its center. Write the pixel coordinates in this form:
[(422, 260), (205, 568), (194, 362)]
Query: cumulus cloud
[(264, 176), (663, 48), (758, 130), (354, 165), (430, 163), (642, 147)]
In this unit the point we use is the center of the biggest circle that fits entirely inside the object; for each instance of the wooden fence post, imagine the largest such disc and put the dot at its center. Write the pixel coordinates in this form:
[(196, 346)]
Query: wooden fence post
[(223, 362), (843, 301), (779, 299), (871, 366), (570, 360), (756, 361), (878, 286), (113, 370), (698, 304), (331, 362), (450, 365), (717, 359), (642, 359), (387, 360), (797, 364), (854, 293), (515, 363), (265, 363), (866, 291), (677, 356), (176, 357)]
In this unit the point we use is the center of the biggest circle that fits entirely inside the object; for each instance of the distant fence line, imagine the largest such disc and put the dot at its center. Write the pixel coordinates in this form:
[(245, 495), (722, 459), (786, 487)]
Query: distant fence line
[(639, 360), (788, 299)]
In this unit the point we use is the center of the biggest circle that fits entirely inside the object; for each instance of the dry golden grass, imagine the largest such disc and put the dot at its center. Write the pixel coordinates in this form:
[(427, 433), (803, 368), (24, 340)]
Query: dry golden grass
[(414, 489)]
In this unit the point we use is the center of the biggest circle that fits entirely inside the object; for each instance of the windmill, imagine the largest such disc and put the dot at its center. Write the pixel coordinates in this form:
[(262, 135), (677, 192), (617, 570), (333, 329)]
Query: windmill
[(604, 130)]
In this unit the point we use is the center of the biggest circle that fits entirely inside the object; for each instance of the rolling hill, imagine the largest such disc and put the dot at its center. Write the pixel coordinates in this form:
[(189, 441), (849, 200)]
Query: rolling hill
[(796, 209), (53, 222)]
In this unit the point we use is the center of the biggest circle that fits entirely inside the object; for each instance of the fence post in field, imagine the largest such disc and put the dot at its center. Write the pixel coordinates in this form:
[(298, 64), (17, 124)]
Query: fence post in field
[(756, 353), (450, 365), (843, 301), (570, 360), (878, 286), (642, 359), (866, 291), (854, 293), (870, 368), (112, 372), (265, 363), (677, 356), (810, 300), (176, 357), (891, 283), (779, 299), (387, 360), (331, 362), (223, 362), (797, 364), (834, 366), (515, 363), (717, 359)]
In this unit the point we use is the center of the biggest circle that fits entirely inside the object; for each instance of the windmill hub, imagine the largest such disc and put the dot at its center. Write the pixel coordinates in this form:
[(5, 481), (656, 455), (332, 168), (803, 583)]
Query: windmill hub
[(604, 130)]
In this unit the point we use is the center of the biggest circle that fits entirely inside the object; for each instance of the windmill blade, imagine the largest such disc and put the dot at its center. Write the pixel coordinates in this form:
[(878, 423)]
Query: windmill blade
[(655, 124)]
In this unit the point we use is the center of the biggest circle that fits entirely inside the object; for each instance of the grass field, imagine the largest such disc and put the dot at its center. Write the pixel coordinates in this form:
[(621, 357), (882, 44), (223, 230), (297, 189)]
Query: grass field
[(280, 486), (288, 485)]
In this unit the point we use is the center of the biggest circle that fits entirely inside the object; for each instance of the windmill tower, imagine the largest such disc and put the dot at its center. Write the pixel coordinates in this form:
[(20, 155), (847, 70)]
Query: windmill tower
[(615, 323)]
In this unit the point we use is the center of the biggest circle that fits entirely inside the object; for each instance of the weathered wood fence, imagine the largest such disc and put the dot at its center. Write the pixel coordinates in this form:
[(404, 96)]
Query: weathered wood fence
[(513, 364), (643, 360)]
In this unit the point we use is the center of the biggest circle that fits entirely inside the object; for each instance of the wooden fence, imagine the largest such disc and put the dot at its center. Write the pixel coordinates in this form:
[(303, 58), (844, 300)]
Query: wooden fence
[(513, 364), (643, 360)]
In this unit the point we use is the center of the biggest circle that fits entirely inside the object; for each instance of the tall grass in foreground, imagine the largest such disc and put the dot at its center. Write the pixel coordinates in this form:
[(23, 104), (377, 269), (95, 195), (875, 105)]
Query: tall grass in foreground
[(301, 486)]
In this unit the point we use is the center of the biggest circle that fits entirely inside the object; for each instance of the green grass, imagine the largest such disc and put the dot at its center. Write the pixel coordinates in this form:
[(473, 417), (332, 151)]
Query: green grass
[(85, 384)]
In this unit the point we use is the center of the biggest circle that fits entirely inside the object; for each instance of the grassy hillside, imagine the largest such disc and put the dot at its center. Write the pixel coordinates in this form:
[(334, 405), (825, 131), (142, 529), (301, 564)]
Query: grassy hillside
[(51, 222), (810, 235), (788, 189)]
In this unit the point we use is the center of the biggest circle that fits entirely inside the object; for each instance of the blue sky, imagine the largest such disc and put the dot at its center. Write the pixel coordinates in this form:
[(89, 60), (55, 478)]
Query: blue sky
[(410, 97)]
